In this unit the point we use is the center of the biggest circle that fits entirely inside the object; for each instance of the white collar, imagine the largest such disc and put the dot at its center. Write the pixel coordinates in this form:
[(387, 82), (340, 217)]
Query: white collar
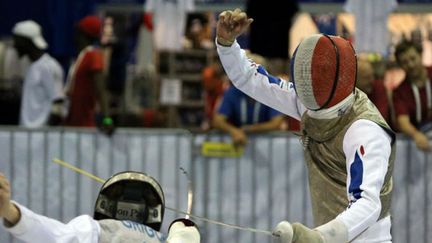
[(337, 110)]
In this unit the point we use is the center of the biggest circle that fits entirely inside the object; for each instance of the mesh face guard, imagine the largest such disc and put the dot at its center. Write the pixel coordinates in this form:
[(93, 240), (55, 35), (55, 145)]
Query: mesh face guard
[(131, 196), (323, 71)]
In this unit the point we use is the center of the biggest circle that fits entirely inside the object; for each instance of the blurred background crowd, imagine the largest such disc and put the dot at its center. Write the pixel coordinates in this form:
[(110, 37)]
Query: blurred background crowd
[(152, 63)]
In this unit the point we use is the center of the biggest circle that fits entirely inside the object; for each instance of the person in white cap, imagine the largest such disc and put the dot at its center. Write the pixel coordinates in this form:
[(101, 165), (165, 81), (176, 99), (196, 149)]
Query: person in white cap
[(129, 208), (348, 147), (42, 96)]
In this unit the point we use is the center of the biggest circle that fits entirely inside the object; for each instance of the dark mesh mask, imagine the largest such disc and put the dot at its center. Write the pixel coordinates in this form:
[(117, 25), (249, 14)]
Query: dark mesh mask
[(131, 196)]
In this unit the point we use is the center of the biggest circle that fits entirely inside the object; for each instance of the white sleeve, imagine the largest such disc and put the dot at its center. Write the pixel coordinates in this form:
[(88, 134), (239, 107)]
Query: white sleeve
[(53, 80), (36, 228), (254, 81), (367, 148), (58, 82)]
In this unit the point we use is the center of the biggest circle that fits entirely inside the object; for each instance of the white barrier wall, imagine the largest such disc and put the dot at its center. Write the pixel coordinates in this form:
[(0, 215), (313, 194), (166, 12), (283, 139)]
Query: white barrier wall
[(267, 185)]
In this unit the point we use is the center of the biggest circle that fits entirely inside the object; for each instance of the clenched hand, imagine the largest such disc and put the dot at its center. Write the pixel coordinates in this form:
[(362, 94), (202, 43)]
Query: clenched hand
[(8, 210), (230, 25)]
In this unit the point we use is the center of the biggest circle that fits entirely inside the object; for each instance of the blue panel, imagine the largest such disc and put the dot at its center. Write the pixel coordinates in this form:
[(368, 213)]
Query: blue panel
[(271, 78), (356, 172)]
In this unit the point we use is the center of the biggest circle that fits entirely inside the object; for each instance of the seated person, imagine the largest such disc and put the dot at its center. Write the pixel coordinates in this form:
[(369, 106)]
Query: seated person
[(374, 88), (214, 82), (126, 202), (239, 114), (413, 98)]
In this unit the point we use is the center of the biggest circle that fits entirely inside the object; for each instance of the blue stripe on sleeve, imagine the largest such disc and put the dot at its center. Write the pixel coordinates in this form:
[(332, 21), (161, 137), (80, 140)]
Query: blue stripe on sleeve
[(356, 172), (271, 78)]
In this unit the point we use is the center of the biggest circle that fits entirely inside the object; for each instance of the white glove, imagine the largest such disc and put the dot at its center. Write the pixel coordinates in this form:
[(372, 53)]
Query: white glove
[(334, 231), (183, 231), (283, 232)]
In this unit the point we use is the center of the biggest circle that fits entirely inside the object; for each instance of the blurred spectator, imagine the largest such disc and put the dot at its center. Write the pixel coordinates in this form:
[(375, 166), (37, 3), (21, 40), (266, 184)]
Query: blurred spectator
[(198, 33), (417, 37), (155, 117), (371, 16), (168, 18), (291, 124), (413, 98), (42, 96), (239, 114), (394, 75), (86, 80), (215, 82), (118, 42), (12, 74), (422, 39), (373, 87)]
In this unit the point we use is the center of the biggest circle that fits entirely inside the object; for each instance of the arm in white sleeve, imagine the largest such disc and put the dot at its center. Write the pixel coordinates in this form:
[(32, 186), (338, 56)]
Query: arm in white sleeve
[(36, 228), (367, 148), (254, 81)]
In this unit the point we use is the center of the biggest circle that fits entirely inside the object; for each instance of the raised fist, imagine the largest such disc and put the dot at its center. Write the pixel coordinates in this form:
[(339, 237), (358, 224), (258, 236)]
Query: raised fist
[(230, 25)]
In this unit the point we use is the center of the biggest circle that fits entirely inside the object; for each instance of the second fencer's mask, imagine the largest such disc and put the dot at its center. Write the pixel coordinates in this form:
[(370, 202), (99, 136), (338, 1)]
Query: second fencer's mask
[(131, 196)]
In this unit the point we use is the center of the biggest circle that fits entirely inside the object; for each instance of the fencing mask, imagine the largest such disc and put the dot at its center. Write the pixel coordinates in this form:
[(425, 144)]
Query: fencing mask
[(131, 196), (323, 70)]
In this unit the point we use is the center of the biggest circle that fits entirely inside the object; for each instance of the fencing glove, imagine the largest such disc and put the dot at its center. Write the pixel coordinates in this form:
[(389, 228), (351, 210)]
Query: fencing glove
[(183, 231), (334, 231)]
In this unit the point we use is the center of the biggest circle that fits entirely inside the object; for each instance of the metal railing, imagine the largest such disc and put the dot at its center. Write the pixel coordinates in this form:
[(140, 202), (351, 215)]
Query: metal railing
[(264, 186)]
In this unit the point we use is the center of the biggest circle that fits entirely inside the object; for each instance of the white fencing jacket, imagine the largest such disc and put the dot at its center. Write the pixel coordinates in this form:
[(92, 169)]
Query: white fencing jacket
[(36, 228)]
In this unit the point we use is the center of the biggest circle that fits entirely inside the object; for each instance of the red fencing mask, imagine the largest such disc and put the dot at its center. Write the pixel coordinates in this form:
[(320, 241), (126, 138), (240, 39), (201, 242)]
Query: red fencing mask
[(323, 70)]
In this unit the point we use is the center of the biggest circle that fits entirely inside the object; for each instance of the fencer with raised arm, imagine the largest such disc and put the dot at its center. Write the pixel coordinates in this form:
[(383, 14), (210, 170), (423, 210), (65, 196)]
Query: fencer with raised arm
[(348, 146)]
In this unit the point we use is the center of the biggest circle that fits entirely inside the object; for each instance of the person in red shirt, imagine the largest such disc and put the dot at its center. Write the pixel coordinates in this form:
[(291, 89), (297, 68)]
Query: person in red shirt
[(373, 87), (215, 82), (413, 99), (86, 81)]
